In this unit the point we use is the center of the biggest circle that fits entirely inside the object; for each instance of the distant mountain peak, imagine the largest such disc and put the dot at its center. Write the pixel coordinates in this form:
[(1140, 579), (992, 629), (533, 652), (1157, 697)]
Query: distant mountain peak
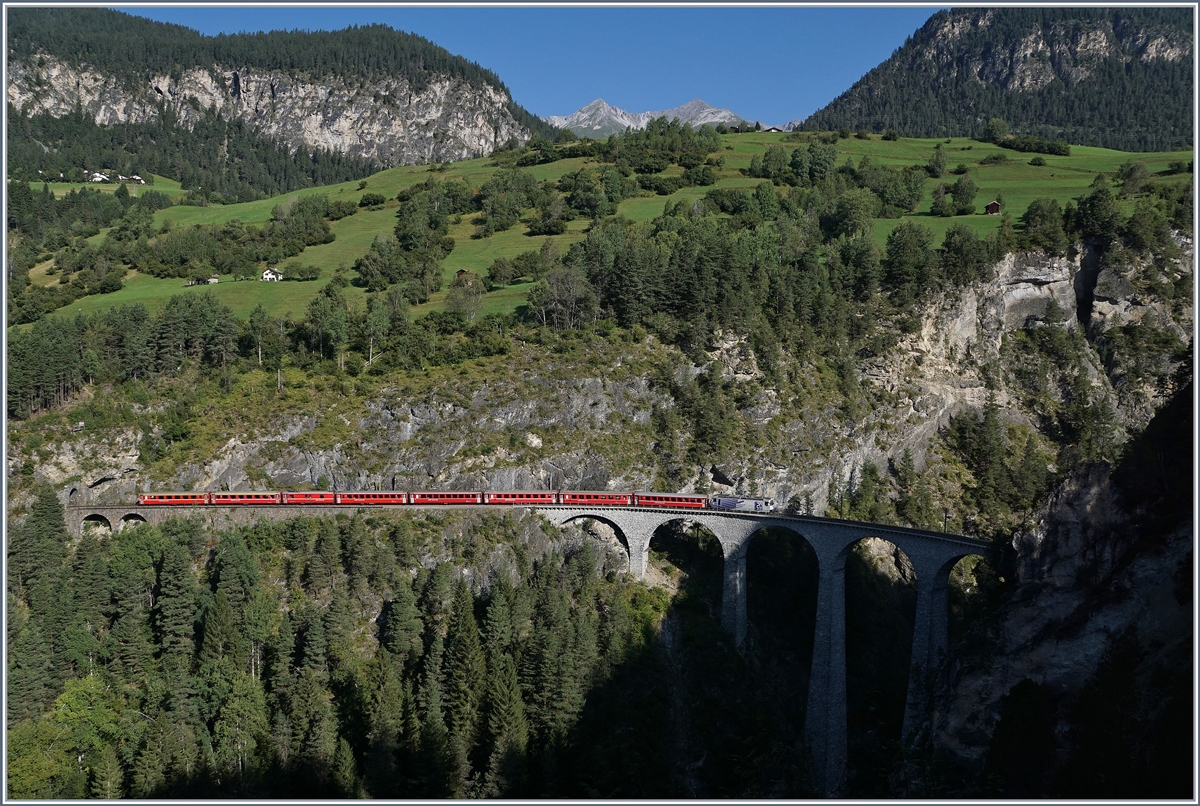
[(600, 119)]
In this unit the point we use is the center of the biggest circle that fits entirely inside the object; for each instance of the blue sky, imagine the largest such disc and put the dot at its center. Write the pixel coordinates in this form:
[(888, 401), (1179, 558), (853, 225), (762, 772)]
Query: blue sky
[(768, 64)]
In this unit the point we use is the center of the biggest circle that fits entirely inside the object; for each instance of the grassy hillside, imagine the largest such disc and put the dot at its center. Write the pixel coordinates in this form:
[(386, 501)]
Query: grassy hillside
[(1019, 183)]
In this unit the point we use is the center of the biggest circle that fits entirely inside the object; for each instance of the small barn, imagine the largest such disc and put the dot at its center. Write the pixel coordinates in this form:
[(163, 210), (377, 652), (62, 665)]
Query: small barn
[(992, 208)]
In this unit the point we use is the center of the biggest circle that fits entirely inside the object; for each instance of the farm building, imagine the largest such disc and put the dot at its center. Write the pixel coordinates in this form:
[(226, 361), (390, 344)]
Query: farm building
[(992, 208), (271, 275)]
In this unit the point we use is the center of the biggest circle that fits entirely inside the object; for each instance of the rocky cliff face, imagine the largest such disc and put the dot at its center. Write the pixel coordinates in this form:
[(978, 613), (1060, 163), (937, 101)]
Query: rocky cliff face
[(385, 120), (1086, 575), (1070, 50)]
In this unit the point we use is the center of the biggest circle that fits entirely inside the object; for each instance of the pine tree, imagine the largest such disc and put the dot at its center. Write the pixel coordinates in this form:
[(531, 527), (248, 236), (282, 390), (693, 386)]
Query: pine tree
[(466, 669), (466, 675), (280, 657), (385, 714), (175, 605), (314, 727), (436, 762), (28, 675), (498, 626), (404, 627), (241, 727), (36, 551), (507, 728), (358, 553), (150, 767), (345, 771), (339, 629), (219, 630), (106, 773)]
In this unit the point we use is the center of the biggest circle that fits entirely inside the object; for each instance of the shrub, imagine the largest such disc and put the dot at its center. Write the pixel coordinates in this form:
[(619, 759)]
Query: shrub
[(1038, 162), (340, 209), (300, 272)]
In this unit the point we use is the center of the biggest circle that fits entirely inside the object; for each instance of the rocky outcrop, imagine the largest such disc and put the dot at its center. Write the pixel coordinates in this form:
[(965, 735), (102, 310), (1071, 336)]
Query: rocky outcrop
[(1070, 51), (386, 120), (1125, 292), (1085, 573)]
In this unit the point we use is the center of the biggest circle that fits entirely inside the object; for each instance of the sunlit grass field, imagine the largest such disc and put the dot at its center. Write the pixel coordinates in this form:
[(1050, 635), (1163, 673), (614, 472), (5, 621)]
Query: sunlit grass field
[(161, 184), (1015, 181)]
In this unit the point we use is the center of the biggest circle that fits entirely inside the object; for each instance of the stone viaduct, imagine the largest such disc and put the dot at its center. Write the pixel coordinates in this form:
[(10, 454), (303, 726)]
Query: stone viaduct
[(932, 554)]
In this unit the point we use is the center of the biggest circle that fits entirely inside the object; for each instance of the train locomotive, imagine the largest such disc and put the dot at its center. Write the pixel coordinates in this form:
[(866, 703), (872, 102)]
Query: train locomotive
[(588, 498)]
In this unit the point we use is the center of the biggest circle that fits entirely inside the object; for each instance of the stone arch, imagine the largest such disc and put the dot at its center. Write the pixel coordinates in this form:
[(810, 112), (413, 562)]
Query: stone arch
[(679, 518), (955, 581), (881, 592), (618, 531), (697, 559), (132, 519), (95, 519), (73, 497), (782, 583)]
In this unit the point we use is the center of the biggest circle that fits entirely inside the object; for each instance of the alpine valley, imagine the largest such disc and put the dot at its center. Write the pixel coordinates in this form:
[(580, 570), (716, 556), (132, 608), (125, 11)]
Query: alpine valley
[(946, 301)]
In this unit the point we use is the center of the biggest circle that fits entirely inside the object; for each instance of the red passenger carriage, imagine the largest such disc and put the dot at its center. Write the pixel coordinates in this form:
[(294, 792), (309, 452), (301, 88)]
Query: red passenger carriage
[(226, 499), (438, 497), (597, 499), (518, 497), (172, 499), (669, 500), (367, 498), (309, 497)]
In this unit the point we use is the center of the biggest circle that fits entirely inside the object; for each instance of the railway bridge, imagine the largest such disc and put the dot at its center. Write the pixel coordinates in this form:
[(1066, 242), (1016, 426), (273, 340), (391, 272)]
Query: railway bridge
[(932, 554)]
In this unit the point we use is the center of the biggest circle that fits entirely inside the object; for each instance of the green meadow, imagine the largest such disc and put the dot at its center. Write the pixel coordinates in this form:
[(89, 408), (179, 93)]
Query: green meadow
[(160, 183), (1015, 181)]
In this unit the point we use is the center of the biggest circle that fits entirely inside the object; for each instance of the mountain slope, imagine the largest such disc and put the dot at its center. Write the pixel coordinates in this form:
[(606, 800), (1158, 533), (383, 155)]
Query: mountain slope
[(367, 92), (1119, 78), (599, 119)]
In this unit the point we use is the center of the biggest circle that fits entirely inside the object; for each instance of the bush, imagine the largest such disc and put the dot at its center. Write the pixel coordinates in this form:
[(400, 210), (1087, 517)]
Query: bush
[(891, 134), (1038, 162), (371, 200), (651, 164), (1026, 142), (300, 272), (995, 159), (662, 185), (340, 209)]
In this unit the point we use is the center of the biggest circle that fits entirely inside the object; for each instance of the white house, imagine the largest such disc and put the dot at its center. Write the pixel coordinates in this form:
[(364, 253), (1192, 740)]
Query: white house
[(272, 276)]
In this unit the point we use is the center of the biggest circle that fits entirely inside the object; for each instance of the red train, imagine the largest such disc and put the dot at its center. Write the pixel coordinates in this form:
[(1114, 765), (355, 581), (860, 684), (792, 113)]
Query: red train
[(442, 497)]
